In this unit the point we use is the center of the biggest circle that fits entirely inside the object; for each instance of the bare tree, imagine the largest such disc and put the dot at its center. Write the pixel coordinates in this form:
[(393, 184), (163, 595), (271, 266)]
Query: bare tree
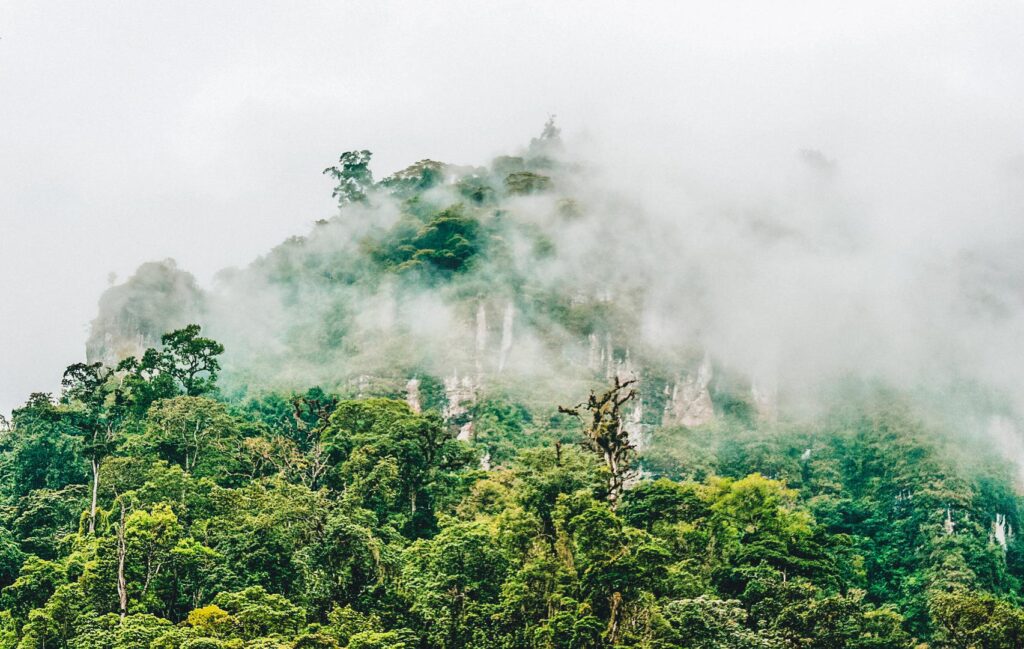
[(606, 432)]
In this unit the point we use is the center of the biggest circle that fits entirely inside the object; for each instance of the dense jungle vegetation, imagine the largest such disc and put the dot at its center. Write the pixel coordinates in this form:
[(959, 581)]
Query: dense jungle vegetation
[(162, 501), (141, 510)]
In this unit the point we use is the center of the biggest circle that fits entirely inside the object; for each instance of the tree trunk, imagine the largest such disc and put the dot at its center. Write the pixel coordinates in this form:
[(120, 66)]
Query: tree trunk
[(95, 491), (122, 587), (613, 623)]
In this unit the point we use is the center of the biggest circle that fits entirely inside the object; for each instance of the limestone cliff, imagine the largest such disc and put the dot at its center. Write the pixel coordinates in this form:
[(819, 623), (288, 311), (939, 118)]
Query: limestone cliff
[(132, 316), (689, 398)]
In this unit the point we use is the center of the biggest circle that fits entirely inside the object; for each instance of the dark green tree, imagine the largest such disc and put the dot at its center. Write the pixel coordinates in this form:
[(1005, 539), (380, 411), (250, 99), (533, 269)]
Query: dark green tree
[(353, 176)]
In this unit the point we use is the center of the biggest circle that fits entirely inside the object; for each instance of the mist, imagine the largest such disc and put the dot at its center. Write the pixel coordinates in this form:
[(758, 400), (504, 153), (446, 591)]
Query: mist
[(822, 190)]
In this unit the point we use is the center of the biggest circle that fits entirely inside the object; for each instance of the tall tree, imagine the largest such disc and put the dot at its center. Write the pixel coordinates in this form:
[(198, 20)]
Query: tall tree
[(606, 431), (353, 176), (421, 446), (311, 414), (196, 432), (91, 390), (186, 364), (191, 359)]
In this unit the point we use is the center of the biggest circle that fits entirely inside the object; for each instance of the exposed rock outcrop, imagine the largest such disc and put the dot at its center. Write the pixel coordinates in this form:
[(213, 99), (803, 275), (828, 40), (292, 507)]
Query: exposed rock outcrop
[(765, 395), (506, 335), (635, 427), (1001, 531), (412, 395), (158, 298), (689, 399), (459, 394), (481, 338)]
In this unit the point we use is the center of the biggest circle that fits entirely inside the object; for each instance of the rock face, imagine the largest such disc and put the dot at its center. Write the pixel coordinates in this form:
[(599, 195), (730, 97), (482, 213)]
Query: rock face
[(602, 359), (637, 430), (481, 338), (363, 384), (506, 335), (490, 357), (412, 395), (113, 345), (1006, 433), (689, 400), (459, 394), (1001, 531), (158, 298), (765, 395)]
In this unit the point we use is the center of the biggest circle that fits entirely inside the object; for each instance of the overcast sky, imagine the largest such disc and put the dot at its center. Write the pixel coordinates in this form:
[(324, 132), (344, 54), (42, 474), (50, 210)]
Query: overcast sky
[(133, 131)]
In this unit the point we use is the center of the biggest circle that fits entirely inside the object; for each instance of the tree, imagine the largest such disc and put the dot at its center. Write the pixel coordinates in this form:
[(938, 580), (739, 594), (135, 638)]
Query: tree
[(454, 582), (415, 178), (526, 182), (311, 414), (139, 630), (709, 623), (359, 574), (399, 639), (186, 364), (652, 504), (91, 389), (756, 523), (47, 518), (11, 557), (421, 446), (316, 641), (293, 446), (191, 359), (353, 176), (606, 432), (37, 580), (196, 432), (255, 613), (53, 624), (46, 446), (447, 243), (615, 564), (977, 621), (262, 528), (546, 473)]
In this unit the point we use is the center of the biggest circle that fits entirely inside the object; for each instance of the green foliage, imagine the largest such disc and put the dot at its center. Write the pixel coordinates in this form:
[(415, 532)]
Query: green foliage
[(969, 620), (453, 582), (305, 520), (353, 176), (707, 623), (526, 182), (196, 433), (255, 613), (186, 364), (446, 242), (501, 428), (45, 445), (415, 178), (380, 447)]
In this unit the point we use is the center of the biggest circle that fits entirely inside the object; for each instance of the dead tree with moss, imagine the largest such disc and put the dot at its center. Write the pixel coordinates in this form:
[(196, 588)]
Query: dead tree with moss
[(605, 429)]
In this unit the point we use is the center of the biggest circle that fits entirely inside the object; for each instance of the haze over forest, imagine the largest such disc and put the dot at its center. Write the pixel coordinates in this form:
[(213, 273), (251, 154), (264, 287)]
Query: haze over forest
[(196, 133), (449, 326)]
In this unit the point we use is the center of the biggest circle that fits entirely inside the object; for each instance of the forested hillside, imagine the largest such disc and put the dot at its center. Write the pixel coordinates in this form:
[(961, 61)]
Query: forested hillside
[(453, 417)]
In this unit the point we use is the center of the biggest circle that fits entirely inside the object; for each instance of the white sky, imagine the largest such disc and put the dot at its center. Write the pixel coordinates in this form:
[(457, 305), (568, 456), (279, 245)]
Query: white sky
[(132, 131)]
